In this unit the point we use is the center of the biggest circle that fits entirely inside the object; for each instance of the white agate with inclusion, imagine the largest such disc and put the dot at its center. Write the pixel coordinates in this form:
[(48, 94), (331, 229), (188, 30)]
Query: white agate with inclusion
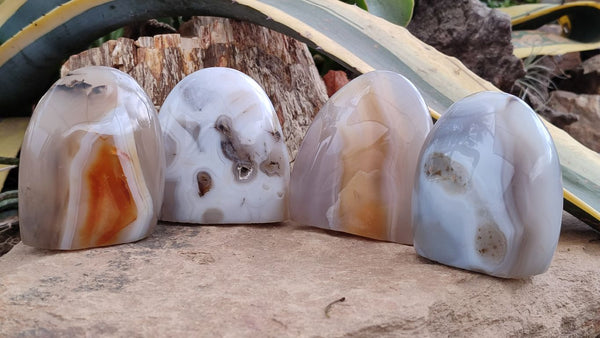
[(488, 195), (226, 157), (92, 163), (355, 169)]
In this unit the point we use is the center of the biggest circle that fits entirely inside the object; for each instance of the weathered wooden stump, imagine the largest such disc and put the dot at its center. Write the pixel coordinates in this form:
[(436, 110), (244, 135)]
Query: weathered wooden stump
[(282, 65)]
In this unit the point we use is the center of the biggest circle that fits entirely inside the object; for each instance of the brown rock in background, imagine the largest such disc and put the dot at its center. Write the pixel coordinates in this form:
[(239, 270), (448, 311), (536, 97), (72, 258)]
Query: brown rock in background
[(561, 64), (334, 80), (587, 109), (591, 65), (470, 31), (584, 79), (281, 65)]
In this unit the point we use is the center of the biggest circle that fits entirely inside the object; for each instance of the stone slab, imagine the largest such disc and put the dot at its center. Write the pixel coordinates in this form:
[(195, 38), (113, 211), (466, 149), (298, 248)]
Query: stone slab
[(278, 280)]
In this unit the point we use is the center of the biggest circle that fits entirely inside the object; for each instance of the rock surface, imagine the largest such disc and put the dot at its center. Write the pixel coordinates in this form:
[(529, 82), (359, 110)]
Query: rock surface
[(276, 281), (587, 110), (468, 30)]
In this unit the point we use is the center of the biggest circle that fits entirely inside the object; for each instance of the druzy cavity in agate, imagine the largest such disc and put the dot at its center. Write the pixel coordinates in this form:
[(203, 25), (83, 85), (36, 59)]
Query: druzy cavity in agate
[(488, 195), (226, 157), (92, 163), (355, 169)]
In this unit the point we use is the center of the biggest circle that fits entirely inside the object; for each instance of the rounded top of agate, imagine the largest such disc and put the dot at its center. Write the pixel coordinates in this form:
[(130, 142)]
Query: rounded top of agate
[(89, 95)]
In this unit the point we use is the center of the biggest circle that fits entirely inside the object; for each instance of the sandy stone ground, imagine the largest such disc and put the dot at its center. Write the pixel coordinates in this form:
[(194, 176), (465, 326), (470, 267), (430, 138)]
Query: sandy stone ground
[(287, 280)]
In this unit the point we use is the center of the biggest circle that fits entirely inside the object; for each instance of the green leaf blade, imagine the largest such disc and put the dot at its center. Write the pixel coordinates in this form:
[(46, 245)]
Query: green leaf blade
[(398, 12)]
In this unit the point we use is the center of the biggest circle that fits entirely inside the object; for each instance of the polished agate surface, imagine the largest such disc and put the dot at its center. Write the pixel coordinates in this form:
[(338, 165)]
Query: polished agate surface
[(488, 194), (92, 163), (355, 169), (226, 157)]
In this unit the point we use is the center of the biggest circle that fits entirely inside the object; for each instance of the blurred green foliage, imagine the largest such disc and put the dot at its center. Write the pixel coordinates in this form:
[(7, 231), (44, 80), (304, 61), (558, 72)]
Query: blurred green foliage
[(359, 3), (110, 36), (398, 12)]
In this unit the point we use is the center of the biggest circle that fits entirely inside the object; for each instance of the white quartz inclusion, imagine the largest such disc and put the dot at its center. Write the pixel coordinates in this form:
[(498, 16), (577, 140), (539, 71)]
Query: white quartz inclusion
[(226, 157), (488, 191)]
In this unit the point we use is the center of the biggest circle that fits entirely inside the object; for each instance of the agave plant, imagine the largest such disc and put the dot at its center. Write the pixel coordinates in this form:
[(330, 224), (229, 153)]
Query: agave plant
[(534, 86)]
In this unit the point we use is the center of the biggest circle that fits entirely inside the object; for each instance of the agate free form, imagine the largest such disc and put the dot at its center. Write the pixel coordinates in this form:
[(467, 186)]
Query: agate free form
[(355, 169), (488, 195), (226, 157), (92, 163)]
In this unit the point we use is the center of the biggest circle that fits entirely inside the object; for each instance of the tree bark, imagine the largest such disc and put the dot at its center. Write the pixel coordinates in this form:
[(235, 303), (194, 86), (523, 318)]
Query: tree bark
[(281, 65)]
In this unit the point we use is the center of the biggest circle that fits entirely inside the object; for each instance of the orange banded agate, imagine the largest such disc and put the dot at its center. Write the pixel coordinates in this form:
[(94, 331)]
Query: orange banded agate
[(92, 163), (355, 169)]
